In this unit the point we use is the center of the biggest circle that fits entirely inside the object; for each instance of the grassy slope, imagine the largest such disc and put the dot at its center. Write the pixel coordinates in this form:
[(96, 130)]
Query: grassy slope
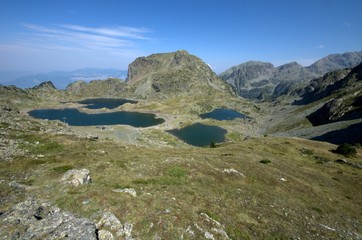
[(174, 185), (176, 182)]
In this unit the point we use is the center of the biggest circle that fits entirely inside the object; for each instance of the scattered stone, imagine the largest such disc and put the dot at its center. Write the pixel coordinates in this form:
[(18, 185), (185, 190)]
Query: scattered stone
[(112, 223), (209, 219), (105, 235), (343, 161), (19, 186), (209, 235), (92, 138), (232, 171), (32, 219), (77, 177), (127, 190), (126, 231), (283, 179), (328, 228), (189, 232), (109, 220), (205, 227)]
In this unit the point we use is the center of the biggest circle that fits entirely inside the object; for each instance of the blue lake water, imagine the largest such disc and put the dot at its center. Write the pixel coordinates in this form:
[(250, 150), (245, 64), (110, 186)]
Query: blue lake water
[(75, 118), (111, 103), (223, 114), (200, 135)]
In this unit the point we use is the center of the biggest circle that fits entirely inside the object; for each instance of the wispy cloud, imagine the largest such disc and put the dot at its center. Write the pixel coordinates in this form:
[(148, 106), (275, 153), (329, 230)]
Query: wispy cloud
[(83, 38), (347, 24), (320, 46), (73, 46)]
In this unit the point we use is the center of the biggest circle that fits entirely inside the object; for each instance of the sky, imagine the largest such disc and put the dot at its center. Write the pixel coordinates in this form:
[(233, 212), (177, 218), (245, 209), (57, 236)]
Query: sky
[(66, 35)]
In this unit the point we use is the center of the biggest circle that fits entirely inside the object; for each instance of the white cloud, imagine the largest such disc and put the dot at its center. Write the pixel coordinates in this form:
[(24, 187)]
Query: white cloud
[(80, 37), (321, 46), (73, 46)]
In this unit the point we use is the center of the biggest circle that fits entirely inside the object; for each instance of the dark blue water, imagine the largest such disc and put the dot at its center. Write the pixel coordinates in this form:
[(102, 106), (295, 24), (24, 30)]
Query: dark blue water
[(200, 135), (75, 118), (111, 103), (223, 114)]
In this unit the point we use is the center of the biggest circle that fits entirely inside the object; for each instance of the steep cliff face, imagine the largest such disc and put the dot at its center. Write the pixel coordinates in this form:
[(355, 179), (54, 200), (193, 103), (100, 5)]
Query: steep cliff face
[(262, 81), (346, 103), (172, 74)]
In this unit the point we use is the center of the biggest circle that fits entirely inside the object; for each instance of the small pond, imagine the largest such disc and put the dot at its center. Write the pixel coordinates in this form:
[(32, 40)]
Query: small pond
[(75, 118), (200, 135), (110, 103), (223, 114)]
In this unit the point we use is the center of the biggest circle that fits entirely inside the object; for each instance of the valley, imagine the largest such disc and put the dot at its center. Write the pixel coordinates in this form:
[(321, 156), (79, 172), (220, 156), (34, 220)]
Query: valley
[(268, 178)]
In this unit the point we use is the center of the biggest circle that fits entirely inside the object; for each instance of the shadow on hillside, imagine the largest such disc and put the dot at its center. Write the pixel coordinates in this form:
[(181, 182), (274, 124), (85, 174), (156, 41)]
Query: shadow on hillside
[(351, 134)]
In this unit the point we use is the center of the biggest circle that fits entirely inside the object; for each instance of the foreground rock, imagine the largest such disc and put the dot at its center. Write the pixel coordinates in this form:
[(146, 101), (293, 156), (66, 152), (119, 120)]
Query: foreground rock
[(32, 219), (77, 177), (110, 223)]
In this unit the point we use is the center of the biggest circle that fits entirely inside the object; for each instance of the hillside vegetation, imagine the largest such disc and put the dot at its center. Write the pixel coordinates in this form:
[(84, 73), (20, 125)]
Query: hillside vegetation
[(120, 182)]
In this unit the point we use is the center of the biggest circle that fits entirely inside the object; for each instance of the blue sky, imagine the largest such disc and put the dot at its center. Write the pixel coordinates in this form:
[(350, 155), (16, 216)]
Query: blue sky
[(66, 35)]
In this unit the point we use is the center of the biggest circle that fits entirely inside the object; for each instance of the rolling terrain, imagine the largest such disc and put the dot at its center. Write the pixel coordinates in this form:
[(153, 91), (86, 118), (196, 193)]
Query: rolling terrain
[(269, 180)]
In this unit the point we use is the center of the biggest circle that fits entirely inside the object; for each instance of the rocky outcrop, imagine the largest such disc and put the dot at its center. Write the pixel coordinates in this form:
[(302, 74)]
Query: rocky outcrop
[(110, 223), (172, 74), (45, 86), (320, 87), (262, 81), (33, 219), (111, 87), (76, 177), (347, 101)]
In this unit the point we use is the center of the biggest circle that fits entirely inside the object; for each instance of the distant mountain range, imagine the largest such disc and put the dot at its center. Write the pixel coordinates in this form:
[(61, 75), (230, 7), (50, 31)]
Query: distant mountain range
[(61, 79), (257, 80)]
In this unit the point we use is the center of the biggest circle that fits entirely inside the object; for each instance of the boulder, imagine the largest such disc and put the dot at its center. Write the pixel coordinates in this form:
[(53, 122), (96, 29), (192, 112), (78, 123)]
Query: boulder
[(33, 219), (105, 235), (77, 177)]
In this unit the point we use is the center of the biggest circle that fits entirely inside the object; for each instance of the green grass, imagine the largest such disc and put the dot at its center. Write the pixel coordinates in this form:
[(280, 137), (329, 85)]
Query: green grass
[(188, 181), (63, 169)]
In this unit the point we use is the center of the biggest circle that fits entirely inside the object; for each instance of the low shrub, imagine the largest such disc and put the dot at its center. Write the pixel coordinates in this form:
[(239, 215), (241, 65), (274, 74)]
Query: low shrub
[(346, 150), (265, 161)]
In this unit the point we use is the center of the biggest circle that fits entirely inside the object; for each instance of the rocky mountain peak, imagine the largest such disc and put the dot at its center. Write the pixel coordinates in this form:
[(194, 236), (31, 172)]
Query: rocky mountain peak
[(288, 66), (254, 79), (48, 85), (171, 73)]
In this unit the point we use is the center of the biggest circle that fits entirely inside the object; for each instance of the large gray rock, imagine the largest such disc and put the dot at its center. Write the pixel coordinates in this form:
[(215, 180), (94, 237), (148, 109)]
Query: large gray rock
[(32, 219), (110, 223), (77, 177)]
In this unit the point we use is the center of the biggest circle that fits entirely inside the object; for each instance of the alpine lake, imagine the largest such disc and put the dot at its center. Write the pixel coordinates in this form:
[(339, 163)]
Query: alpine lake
[(197, 134)]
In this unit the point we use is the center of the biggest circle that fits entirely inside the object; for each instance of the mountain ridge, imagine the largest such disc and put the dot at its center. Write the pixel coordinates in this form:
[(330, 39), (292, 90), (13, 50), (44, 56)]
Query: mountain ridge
[(172, 74), (257, 80)]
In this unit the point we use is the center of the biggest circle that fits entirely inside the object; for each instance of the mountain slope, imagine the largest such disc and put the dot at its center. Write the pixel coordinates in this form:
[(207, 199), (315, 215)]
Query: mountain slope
[(328, 108), (259, 80), (172, 74)]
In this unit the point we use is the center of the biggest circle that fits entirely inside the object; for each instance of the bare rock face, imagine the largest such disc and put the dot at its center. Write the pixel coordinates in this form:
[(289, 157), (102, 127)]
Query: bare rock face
[(77, 177), (262, 81), (32, 219), (172, 74)]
